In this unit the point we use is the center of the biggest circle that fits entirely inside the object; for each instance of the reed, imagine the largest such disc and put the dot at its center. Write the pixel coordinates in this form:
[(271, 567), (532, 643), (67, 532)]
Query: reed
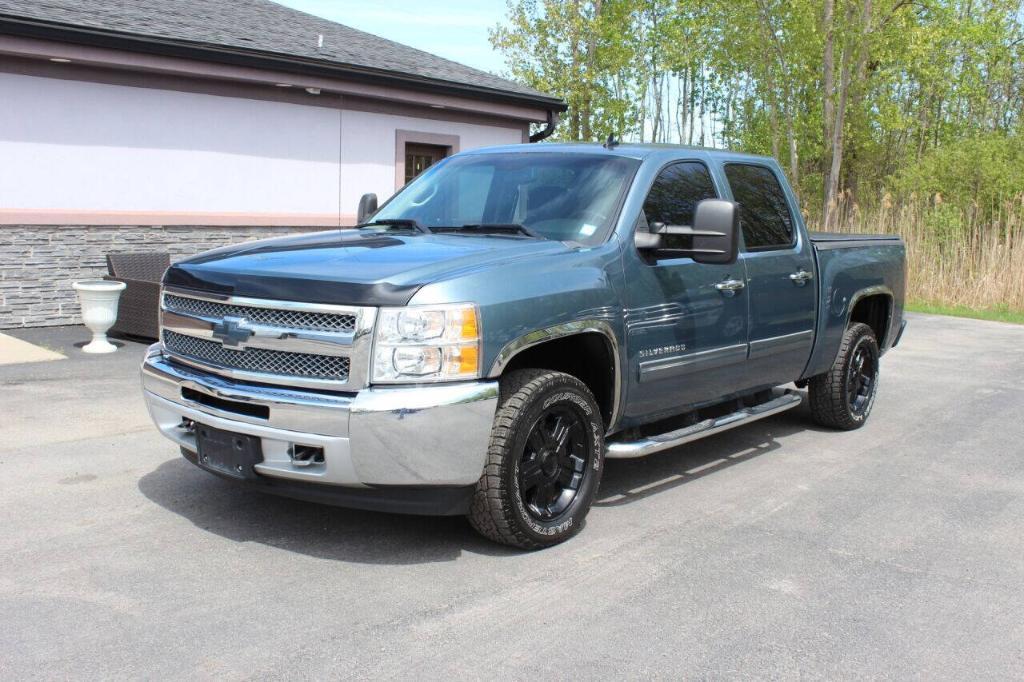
[(956, 257)]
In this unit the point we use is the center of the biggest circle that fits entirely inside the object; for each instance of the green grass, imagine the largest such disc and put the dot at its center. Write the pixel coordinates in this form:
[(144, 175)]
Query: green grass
[(999, 313)]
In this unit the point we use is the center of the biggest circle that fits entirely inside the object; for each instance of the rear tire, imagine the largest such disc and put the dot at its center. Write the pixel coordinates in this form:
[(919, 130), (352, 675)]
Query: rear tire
[(544, 462), (842, 397)]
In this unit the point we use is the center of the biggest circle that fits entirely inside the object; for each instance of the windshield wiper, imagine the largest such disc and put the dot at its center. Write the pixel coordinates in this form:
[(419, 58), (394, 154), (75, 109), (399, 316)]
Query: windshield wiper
[(490, 228), (396, 222)]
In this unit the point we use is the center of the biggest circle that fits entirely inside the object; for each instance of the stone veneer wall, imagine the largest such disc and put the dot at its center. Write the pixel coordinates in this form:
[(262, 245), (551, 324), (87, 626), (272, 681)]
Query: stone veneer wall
[(39, 263)]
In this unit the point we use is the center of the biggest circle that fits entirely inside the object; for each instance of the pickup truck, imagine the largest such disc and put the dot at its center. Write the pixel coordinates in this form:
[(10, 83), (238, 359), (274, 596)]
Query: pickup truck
[(484, 340)]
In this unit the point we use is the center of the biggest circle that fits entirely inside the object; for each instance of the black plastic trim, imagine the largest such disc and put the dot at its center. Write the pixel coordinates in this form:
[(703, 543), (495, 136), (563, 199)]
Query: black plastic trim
[(268, 286), (899, 334), (419, 501), (224, 405)]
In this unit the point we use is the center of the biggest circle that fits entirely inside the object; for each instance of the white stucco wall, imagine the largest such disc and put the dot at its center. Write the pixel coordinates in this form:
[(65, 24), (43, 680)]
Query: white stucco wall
[(70, 145), (368, 149)]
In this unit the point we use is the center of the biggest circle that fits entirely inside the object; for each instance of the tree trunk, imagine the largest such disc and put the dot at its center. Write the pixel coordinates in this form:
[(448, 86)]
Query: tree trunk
[(828, 111), (787, 92), (693, 105), (832, 184), (588, 74)]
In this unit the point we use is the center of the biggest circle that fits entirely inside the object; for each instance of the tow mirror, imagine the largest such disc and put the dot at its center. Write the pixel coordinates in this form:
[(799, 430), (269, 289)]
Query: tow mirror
[(716, 232), (367, 207), (714, 235)]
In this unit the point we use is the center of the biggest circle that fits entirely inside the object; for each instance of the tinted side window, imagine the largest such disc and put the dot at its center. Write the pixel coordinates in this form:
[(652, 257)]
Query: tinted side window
[(764, 214), (673, 197)]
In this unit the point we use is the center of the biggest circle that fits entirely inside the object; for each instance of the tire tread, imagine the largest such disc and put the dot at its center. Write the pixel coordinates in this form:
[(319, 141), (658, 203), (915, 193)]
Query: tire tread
[(491, 512), (826, 391)]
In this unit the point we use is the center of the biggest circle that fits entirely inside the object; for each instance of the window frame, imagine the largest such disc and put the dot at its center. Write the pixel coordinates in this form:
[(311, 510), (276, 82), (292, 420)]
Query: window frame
[(794, 241), (715, 184), (404, 137)]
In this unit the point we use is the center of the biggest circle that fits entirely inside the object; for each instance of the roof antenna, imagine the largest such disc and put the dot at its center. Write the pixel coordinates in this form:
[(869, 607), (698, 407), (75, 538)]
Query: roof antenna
[(611, 142)]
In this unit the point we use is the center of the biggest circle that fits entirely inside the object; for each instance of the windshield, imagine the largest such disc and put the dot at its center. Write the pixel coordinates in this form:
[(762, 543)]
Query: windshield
[(559, 196)]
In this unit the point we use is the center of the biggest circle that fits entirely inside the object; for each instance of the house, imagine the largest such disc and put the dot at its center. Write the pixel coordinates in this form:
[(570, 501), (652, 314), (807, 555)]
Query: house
[(146, 125)]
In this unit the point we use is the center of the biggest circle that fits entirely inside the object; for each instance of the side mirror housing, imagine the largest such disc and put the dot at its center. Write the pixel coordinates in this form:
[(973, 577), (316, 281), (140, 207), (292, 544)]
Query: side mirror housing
[(367, 207), (714, 236), (716, 232)]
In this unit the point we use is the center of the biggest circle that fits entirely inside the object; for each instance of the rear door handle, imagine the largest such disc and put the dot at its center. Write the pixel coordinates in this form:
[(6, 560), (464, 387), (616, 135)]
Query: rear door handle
[(729, 287), (800, 278)]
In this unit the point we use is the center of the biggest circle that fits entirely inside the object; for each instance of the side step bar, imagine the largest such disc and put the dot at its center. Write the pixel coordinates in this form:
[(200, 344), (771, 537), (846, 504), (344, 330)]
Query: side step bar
[(664, 441)]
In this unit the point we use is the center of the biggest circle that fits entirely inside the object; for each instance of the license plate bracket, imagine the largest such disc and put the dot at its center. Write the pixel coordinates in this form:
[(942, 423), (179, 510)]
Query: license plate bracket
[(228, 453)]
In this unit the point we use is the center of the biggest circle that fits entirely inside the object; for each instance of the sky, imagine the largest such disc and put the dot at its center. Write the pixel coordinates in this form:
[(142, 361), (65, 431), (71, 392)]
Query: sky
[(455, 29)]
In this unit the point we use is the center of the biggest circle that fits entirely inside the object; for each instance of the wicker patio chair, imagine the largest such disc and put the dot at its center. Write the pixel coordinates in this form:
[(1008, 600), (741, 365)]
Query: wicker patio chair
[(139, 309)]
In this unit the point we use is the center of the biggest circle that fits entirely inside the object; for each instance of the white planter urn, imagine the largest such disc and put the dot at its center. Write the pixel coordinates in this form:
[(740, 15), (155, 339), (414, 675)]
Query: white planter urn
[(99, 310)]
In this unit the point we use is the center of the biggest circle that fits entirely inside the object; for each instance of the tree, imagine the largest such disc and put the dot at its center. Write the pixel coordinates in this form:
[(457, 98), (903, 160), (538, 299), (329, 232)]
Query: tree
[(574, 49), (851, 95)]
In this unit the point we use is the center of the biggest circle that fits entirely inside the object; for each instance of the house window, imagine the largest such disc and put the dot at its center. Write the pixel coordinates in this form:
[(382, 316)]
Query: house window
[(419, 157)]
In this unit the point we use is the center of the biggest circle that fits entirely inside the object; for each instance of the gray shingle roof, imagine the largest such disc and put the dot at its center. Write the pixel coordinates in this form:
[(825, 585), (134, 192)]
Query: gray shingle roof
[(263, 28)]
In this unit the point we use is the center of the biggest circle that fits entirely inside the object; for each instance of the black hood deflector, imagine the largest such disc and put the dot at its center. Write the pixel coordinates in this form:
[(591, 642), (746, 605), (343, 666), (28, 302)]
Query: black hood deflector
[(288, 289)]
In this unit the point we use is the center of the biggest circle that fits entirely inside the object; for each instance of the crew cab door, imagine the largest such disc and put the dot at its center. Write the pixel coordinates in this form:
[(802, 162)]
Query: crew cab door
[(781, 290), (686, 322)]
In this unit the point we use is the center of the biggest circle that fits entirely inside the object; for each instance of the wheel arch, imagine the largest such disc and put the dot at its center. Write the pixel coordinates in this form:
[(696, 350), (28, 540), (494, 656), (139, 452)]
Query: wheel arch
[(874, 307), (586, 349)]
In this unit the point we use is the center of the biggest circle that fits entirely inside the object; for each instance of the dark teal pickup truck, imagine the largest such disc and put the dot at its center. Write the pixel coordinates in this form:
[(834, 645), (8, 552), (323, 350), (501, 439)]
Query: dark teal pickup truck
[(483, 341)]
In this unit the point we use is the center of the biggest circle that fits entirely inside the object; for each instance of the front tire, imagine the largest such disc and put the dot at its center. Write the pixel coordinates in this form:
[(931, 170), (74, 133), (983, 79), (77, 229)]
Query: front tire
[(544, 462), (842, 397)]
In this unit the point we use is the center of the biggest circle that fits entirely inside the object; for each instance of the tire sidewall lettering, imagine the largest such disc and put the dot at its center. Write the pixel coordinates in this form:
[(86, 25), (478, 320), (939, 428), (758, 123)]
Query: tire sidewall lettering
[(568, 520)]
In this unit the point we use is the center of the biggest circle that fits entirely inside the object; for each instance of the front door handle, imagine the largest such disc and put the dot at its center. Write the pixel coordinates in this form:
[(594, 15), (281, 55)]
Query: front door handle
[(800, 278), (729, 287)]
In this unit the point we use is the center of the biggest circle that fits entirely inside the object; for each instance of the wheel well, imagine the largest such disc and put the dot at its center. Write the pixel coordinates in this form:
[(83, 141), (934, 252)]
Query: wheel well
[(587, 356), (874, 312)]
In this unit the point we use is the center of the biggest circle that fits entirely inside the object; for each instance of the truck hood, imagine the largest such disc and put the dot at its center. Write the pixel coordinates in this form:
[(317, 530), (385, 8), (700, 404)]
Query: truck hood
[(348, 266)]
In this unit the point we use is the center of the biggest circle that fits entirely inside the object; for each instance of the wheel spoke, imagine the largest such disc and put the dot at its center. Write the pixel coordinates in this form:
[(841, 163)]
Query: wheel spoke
[(561, 501), (530, 474), (559, 434), (553, 464), (546, 493), (536, 441), (861, 379)]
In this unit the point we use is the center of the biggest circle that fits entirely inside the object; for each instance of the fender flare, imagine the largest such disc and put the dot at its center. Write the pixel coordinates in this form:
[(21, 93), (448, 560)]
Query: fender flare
[(561, 331), (876, 290)]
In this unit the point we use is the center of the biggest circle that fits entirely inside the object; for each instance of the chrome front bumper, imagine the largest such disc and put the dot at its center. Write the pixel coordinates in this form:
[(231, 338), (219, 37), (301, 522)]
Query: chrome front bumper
[(433, 435)]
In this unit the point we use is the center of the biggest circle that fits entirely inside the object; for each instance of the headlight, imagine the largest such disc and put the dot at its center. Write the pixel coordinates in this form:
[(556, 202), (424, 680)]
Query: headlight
[(426, 343)]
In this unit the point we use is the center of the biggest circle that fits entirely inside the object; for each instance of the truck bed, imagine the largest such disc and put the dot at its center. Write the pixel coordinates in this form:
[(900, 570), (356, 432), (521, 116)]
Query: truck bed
[(833, 237), (851, 266)]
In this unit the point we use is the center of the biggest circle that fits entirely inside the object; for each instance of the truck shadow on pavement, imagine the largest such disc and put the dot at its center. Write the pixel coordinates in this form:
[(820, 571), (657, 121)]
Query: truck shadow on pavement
[(241, 515)]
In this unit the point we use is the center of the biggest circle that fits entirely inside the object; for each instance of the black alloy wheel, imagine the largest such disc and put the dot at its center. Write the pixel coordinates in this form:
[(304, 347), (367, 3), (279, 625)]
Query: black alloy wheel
[(544, 461), (843, 396), (860, 379), (554, 463)]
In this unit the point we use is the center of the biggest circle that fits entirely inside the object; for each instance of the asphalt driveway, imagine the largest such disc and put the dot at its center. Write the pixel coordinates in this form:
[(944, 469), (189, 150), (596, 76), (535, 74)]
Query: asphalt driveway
[(775, 550)]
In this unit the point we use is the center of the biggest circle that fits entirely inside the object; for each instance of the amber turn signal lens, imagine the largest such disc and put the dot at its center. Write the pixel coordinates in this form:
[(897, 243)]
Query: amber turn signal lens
[(469, 329)]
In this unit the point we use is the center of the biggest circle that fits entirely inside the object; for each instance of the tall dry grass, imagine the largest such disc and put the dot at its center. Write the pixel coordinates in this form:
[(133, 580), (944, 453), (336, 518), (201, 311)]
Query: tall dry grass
[(970, 257)]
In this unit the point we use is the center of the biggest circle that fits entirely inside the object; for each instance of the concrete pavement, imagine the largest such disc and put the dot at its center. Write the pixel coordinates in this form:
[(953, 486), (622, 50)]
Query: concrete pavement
[(775, 550)]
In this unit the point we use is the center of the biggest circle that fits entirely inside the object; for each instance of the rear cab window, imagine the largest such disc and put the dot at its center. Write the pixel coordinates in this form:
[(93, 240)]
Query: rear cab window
[(765, 218)]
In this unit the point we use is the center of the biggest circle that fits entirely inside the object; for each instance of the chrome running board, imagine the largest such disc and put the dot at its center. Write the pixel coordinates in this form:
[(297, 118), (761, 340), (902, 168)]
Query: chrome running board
[(664, 441)]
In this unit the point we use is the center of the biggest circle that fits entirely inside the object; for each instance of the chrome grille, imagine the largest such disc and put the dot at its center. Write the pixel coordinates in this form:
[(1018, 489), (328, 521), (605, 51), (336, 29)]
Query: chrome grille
[(290, 319), (261, 360)]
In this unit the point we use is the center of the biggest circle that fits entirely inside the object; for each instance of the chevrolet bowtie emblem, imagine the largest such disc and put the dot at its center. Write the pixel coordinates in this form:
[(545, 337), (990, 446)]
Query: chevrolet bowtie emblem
[(231, 332)]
